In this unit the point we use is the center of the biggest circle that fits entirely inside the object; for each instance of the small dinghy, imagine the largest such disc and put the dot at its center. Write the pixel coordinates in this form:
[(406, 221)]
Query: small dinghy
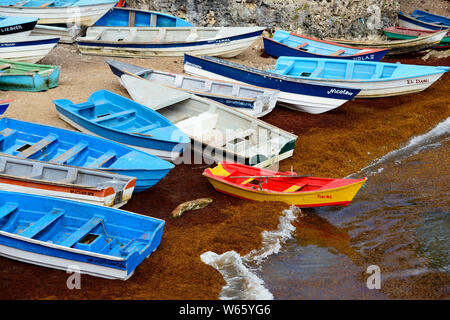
[(12, 28), (374, 79), (286, 43), (21, 76), (111, 116), (265, 185), (80, 12), (59, 181), (423, 20), (29, 140), (399, 33), (29, 49), (297, 94), (4, 104), (254, 101), (145, 42), (130, 17), (218, 132), (55, 233), (396, 47)]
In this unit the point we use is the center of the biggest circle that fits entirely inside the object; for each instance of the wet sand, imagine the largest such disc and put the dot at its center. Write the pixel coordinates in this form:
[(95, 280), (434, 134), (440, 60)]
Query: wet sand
[(334, 144)]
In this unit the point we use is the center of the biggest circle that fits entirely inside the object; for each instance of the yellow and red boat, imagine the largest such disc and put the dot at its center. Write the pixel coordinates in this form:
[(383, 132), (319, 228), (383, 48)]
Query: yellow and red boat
[(266, 185)]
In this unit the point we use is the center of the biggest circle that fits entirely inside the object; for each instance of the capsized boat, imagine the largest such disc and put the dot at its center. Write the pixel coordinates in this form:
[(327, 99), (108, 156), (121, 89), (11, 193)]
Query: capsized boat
[(418, 44), (130, 17), (60, 234), (285, 43), (21, 76), (218, 132), (420, 19), (266, 185), (15, 27), (294, 93), (111, 116), (374, 79), (29, 140), (65, 182), (80, 12), (254, 101), (144, 42), (29, 49), (4, 104), (399, 33)]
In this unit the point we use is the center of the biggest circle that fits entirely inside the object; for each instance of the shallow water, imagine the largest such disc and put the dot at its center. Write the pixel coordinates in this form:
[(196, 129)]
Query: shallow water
[(399, 221)]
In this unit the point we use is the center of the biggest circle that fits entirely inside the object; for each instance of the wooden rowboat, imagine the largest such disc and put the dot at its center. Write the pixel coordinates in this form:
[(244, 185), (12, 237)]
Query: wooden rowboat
[(265, 185), (71, 183), (421, 43), (29, 49), (74, 236), (399, 33)]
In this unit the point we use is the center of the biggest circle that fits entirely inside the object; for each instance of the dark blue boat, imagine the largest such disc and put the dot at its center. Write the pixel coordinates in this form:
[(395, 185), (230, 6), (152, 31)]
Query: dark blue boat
[(117, 118), (423, 20), (285, 43), (62, 234), (129, 17), (35, 141), (4, 104)]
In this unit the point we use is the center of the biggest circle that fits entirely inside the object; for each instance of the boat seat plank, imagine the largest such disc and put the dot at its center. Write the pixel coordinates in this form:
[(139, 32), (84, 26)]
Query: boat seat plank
[(247, 181), (131, 18), (85, 105), (7, 209), (304, 44), (6, 133), (38, 146), (114, 115), (146, 128), (42, 223), (64, 157), (46, 4), (337, 53), (102, 160), (295, 187), (81, 232), (4, 66)]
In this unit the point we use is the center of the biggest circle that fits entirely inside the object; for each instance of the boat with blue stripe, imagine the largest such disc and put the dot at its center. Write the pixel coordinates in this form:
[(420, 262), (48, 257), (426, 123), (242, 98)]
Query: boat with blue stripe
[(111, 116), (285, 43), (62, 234), (130, 17), (4, 104), (423, 20), (14, 27), (294, 93), (21, 76), (29, 49), (145, 42), (44, 143), (374, 79)]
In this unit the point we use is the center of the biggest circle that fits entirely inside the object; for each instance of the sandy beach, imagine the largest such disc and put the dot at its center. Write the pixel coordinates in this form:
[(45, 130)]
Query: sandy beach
[(334, 144)]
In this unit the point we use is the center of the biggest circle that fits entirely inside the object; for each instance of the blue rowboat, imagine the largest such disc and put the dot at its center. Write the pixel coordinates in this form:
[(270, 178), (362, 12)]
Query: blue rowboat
[(35, 141), (285, 43), (14, 27), (145, 42), (29, 49), (129, 17), (117, 118), (20, 76), (4, 104), (73, 236), (423, 20), (374, 79), (294, 93)]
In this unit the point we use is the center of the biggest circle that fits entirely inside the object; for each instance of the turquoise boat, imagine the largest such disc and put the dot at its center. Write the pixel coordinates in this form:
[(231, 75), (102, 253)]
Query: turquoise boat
[(22, 76), (62, 234)]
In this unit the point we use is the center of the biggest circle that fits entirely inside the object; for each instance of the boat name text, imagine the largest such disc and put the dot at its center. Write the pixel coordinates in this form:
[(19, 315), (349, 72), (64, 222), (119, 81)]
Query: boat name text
[(11, 28), (418, 81), (342, 91)]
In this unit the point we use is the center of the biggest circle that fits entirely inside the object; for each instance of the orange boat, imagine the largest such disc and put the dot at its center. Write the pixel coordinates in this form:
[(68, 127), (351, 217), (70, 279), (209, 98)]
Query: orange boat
[(266, 185)]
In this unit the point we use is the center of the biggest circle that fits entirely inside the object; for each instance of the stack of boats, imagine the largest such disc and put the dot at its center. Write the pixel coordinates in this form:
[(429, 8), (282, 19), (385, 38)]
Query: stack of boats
[(60, 190)]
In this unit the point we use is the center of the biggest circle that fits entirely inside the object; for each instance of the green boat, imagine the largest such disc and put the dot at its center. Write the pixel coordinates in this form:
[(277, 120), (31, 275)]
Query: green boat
[(399, 33), (21, 76)]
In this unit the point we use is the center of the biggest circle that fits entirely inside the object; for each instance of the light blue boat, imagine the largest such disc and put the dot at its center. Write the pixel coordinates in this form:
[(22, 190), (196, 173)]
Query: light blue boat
[(423, 20), (74, 236), (374, 79), (35, 141), (13, 27), (21, 76), (129, 17), (117, 118)]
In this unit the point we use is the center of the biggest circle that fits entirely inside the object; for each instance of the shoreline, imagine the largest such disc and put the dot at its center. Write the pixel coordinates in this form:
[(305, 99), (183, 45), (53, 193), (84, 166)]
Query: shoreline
[(334, 144)]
